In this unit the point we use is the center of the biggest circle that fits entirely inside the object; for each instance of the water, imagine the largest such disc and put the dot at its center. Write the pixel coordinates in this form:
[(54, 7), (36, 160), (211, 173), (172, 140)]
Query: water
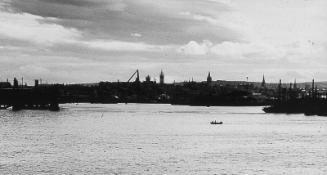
[(160, 139)]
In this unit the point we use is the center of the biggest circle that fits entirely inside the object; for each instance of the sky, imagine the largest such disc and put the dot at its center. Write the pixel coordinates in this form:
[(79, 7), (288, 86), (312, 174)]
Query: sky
[(78, 41)]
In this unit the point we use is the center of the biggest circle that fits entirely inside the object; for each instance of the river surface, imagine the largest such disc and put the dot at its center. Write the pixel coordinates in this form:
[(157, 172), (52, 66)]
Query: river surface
[(161, 139)]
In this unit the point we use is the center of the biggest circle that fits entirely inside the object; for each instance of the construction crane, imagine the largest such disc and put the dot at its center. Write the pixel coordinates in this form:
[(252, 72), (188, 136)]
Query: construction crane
[(137, 76)]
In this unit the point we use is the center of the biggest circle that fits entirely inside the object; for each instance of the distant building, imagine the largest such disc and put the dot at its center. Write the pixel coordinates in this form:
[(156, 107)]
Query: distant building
[(15, 82), (5, 85), (162, 78), (148, 79), (209, 79)]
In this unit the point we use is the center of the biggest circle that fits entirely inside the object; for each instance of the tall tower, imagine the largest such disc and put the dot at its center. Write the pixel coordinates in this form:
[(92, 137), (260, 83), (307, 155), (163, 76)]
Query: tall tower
[(15, 83), (162, 78), (313, 84), (148, 78), (294, 85), (263, 83), (137, 80), (209, 79), (313, 88), (280, 89)]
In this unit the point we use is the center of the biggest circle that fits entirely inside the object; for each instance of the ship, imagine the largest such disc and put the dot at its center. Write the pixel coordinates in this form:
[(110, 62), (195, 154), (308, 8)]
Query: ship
[(299, 106)]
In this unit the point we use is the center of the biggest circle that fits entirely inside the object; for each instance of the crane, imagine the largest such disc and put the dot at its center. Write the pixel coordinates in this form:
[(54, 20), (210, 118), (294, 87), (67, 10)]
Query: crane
[(137, 76)]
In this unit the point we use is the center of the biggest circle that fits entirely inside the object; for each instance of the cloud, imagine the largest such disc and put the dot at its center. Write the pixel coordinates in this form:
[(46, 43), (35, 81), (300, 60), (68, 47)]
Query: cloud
[(114, 5), (254, 52), (159, 21), (232, 49), (194, 48), (43, 32), (298, 37), (74, 2), (136, 35), (199, 17), (117, 5), (24, 26), (124, 46), (221, 1), (246, 50)]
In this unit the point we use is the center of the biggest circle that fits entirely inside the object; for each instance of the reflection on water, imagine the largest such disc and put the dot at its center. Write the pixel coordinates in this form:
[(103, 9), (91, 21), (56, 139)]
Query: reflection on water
[(160, 139)]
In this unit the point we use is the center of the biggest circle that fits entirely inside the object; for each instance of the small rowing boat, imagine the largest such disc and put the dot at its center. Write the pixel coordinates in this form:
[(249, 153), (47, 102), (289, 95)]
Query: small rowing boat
[(216, 123)]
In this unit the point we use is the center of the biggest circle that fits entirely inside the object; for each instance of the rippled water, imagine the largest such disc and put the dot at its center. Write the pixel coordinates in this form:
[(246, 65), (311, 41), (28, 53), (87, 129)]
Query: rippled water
[(161, 139)]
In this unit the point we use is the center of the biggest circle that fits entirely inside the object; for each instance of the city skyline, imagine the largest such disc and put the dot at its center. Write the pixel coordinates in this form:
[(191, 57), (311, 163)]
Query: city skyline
[(135, 77), (75, 41)]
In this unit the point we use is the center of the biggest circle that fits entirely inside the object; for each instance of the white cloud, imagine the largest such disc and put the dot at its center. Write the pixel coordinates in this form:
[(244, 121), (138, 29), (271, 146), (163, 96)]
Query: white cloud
[(199, 17), (246, 50), (194, 48), (28, 27), (221, 1), (136, 35), (297, 52), (292, 30), (116, 5), (283, 22), (32, 28), (113, 45)]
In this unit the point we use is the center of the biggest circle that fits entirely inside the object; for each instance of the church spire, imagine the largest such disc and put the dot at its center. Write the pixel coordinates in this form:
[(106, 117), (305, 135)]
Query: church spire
[(209, 79), (162, 78), (263, 83), (295, 85)]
